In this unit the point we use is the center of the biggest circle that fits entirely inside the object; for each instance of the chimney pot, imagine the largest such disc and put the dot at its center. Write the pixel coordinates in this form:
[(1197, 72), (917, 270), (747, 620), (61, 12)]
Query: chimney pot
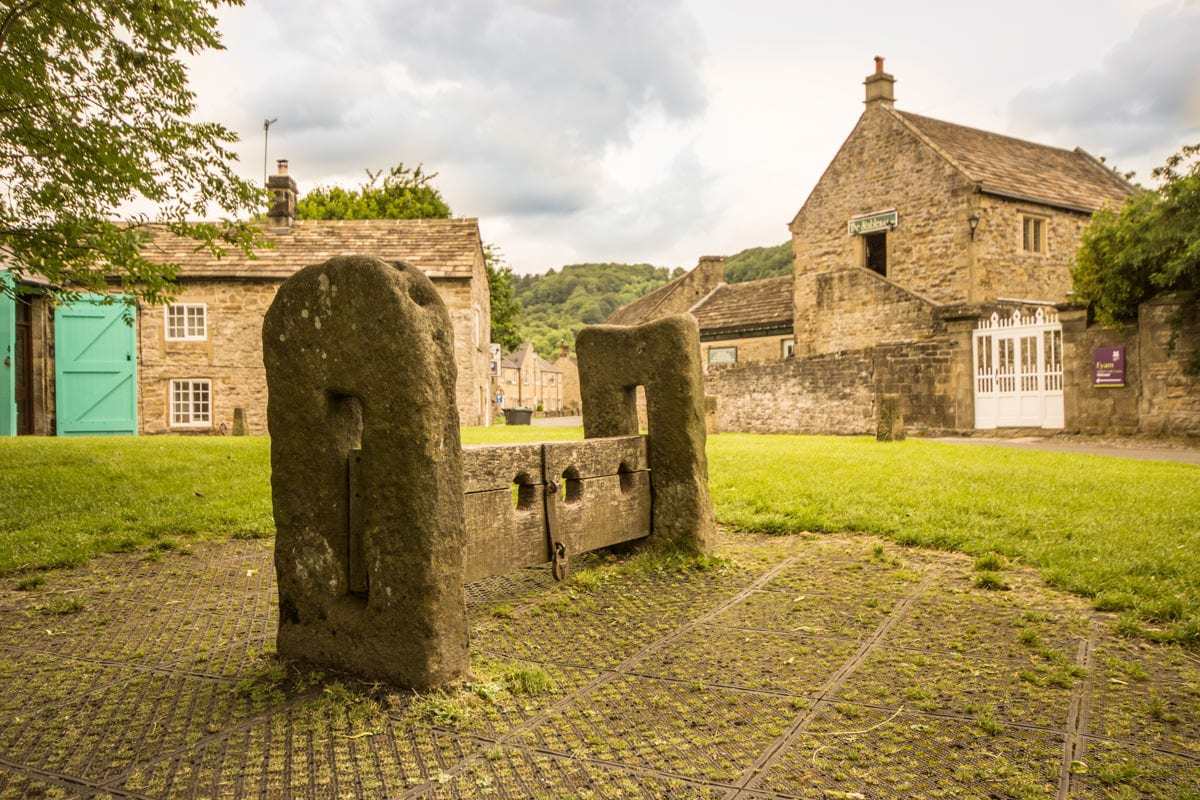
[(880, 87)]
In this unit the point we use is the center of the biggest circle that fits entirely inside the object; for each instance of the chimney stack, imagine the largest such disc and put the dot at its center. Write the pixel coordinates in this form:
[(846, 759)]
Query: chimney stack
[(880, 87), (283, 196)]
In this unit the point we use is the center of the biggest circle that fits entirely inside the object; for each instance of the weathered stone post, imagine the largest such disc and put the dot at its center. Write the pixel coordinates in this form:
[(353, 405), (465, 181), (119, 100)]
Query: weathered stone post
[(366, 473), (664, 357)]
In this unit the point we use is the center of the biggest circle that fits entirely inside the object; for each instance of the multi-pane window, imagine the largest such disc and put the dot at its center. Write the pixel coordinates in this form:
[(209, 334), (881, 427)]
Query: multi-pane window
[(722, 355), (191, 404), (787, 348), (1033, 237), (187, 322)]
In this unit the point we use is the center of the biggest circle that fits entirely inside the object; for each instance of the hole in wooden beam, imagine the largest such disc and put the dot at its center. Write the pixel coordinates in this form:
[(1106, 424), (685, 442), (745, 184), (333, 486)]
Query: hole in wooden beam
[(572, 487), (523, 491), (625, 473)]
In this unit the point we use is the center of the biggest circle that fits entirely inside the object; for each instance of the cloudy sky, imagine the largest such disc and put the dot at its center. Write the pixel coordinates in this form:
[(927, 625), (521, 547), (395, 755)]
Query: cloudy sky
[(660, 131)]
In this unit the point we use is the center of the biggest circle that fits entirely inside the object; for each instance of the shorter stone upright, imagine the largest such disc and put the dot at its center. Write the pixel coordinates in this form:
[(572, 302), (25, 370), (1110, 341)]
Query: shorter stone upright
[(366, 473), (663, 357)]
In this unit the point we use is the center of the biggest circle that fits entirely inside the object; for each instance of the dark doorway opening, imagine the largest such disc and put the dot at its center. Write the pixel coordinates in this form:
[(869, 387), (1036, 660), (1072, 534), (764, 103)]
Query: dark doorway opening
[(23, 367), (875, 252)]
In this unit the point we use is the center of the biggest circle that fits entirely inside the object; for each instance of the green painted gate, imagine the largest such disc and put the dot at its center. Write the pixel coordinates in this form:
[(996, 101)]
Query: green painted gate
[(95, 368), (8, 360)]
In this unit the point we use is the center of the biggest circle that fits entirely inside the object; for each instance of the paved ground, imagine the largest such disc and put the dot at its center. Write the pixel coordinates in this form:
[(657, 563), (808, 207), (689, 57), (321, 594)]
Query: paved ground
[(1140, 449), (558, 422), (832, 667)]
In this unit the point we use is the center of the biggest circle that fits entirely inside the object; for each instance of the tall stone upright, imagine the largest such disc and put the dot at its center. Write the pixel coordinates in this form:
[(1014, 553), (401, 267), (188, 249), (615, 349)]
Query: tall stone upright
[(366, 473), (662, 356)]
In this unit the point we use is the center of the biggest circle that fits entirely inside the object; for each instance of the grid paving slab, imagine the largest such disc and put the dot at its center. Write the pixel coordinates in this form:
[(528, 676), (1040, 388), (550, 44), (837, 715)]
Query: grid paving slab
[(794, 667)]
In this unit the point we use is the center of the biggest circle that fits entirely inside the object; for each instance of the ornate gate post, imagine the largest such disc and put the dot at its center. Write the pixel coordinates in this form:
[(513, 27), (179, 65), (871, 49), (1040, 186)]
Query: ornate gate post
[(664, 357), (366, 473)]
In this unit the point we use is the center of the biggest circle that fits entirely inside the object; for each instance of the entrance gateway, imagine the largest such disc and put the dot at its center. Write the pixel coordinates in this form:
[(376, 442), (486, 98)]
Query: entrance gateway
[(1018, 370)]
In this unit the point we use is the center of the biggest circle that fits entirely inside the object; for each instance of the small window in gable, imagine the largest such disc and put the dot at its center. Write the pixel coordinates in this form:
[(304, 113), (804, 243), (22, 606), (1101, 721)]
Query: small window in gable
[(187, 322), (787, 348), (1033, 237)]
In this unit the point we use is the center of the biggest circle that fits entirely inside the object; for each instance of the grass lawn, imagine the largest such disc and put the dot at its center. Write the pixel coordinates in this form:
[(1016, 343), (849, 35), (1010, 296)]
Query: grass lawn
[(1122, 531)]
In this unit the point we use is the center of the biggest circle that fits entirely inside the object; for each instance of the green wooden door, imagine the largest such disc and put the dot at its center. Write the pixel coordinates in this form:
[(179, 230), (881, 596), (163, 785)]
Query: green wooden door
[(8, 360), (95, 360)]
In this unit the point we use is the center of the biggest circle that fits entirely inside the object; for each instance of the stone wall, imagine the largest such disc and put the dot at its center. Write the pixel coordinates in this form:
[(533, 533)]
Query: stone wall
[(231, 356), (839, 392), (853, 308), (1159, 397), (1170, 397), (1098, 409)]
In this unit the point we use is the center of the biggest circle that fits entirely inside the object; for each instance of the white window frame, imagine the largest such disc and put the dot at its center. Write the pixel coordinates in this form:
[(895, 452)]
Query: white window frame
[(787, 347), (185, 308), (192, 421)]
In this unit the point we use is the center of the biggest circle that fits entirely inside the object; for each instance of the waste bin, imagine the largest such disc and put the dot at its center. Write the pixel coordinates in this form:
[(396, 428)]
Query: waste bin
[(518, 416)]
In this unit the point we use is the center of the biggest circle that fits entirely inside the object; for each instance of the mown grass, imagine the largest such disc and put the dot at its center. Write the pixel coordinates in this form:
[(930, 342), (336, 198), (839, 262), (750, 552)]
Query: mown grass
[(1124, 532)]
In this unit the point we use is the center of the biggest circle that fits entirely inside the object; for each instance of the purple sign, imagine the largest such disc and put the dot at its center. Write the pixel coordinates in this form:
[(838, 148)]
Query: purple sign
[(1108, 366)]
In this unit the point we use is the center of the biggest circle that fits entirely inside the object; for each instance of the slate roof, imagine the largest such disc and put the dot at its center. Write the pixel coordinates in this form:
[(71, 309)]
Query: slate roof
[(441, 248), (749, 306), (1024, 170)]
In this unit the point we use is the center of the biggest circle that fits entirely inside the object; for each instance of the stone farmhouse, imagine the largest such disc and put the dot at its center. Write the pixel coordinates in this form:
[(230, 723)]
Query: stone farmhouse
[(195, 366), (932, 272), (740, 323)]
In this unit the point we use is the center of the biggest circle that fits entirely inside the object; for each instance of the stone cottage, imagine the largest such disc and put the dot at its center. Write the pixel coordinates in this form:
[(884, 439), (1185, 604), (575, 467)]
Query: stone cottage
[(195, 365), (932, 266), (740, 323)]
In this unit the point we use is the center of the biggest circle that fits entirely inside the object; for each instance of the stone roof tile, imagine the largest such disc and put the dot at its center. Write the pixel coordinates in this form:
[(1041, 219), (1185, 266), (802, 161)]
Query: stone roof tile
[(743, 306), (1014, 167), (441, 248)]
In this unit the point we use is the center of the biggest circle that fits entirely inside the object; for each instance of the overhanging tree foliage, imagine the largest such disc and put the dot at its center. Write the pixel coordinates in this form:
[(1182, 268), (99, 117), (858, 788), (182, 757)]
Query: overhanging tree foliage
[(1148, 246), (95, 112), (404, 194), (506, 310)]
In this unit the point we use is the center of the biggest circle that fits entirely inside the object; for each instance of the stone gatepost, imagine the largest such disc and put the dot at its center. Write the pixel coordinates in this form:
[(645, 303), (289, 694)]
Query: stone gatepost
[(664, 357), (366, 473)]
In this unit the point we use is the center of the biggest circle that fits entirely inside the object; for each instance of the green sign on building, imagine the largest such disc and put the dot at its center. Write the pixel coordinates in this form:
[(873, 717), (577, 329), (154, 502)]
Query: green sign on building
[(871, 223)]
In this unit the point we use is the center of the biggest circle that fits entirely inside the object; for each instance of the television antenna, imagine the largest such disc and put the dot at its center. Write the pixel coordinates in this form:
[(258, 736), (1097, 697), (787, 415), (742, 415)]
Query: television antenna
[(267, 123)]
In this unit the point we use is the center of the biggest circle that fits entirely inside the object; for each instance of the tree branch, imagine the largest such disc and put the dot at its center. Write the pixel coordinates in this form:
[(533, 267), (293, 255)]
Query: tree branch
[(10, 18)]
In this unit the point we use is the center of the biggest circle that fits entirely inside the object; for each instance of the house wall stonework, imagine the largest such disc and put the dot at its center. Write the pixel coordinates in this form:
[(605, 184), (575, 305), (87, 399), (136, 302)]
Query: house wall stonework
[(882, 166), (231, 355), (1003, 269), (750, 349)]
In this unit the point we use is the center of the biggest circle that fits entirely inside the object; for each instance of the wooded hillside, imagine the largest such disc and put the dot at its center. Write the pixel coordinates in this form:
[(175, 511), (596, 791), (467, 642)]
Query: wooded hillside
[(556, 304)]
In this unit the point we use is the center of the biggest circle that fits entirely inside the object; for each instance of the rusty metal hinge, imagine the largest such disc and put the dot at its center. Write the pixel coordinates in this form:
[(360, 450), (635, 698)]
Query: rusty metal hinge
[(559, 565)]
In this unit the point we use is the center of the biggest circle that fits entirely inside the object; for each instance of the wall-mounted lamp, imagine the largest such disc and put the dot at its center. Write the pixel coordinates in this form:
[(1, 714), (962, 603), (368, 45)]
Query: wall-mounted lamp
[(973, 221)]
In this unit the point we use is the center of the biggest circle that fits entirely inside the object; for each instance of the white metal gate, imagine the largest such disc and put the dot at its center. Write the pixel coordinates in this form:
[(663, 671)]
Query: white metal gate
[(1018, 371)]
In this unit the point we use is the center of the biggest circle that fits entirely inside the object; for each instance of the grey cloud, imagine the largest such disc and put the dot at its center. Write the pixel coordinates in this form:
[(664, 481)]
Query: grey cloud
[(514, 103), (1142, 96)]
